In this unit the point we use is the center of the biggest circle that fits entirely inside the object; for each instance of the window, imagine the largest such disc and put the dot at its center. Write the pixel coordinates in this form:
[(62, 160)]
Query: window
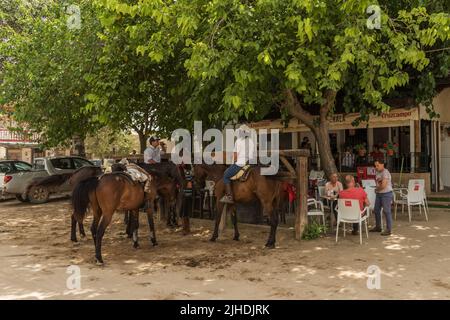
[(39, 164), (5, 167), (62, 163), (22, 166), (81, 163)]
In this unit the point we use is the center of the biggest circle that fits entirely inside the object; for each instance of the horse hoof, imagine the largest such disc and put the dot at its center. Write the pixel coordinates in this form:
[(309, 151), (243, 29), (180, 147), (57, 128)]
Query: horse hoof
[(82, 236), (236, 238), (213, 239), (270, 246), (99, 262), (136, 245), (74, 240)]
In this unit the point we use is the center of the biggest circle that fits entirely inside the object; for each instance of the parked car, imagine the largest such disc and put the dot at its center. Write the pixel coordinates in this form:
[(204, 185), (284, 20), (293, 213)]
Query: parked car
[(17, 183), (96, 162), (7, 167)]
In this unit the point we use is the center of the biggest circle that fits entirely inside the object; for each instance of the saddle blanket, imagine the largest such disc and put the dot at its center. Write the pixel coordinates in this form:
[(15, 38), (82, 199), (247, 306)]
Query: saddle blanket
[(140, 175)]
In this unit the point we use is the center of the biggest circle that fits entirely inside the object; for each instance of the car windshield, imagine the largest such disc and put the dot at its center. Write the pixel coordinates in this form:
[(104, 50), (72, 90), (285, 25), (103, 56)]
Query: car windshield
[(81, 163), (62, 163), (22, 166)]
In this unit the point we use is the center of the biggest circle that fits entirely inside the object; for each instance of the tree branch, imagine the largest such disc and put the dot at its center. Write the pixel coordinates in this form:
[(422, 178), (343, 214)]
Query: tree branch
[(330, 97), (295, 109)]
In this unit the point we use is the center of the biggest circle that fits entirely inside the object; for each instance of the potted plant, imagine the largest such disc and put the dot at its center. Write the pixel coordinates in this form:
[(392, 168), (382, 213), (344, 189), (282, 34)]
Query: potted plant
[(361, 149), (390, 148)]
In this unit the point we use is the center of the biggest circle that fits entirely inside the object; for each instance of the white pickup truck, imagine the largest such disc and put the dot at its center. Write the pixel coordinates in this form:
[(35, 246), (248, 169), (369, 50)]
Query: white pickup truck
[(8, 167), (16, 183)]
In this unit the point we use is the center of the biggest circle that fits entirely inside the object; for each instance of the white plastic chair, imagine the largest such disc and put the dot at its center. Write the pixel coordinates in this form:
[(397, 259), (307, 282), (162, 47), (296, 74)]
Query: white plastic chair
[(415, 196), (348, 211), (421, 182), (321, 190), (317, 210), (209, 185), (366, 184)]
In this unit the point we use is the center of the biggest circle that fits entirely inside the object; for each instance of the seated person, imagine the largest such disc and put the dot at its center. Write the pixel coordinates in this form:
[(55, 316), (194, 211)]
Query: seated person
[(354, 193), (332, 188)]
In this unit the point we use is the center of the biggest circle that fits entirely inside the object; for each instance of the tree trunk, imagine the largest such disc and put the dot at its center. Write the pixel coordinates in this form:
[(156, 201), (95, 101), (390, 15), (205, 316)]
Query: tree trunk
[(327, 162), (78, 147), (319, 126), (142, 141)]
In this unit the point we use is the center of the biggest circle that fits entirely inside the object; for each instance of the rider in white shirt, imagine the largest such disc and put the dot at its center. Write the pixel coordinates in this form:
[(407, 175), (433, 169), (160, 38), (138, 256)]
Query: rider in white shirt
[(153, 153), (243, 153)]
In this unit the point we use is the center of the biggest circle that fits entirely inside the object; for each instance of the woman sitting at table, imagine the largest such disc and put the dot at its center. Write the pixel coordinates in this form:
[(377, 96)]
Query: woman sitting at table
[(332, 189), (334, 186)]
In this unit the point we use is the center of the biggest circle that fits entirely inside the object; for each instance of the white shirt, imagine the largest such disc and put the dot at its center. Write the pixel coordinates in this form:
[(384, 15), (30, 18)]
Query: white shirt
[(245, 149), (152, 153)]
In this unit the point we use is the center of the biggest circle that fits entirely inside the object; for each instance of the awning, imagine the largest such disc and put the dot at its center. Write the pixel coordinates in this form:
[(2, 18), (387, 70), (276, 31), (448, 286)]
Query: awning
[(394, 118)]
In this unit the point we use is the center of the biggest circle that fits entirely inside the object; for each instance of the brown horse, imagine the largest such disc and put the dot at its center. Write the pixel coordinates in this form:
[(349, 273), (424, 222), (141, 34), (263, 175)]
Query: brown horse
[(105, 195), (213, 172), (176, 174), (264, 188)]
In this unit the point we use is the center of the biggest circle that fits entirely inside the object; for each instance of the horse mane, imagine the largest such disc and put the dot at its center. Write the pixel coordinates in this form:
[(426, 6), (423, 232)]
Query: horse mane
[(164, 169)]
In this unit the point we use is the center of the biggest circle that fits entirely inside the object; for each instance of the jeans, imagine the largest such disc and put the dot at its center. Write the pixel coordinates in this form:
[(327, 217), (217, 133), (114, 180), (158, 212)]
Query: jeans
[(383, 200), (230, 172)]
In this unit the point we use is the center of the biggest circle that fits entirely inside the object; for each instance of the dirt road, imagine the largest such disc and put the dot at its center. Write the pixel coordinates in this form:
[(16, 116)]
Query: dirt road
[(35, 252)]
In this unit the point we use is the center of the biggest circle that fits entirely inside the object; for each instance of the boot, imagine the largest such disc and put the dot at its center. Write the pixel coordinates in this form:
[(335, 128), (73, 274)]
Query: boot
[(228, 197)]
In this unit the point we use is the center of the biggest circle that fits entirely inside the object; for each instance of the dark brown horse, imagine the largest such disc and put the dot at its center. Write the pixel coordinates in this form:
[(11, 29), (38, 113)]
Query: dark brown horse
[(176, 173), (166, 189), (203, 172), (105, 195), (264, 188)]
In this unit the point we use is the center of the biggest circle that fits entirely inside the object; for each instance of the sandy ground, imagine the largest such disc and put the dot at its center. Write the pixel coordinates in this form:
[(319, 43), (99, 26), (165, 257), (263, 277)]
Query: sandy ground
[(35, 252)]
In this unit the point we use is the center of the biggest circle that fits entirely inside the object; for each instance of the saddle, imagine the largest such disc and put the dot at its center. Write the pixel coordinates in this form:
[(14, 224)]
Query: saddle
[(123, 174), (242, 174)]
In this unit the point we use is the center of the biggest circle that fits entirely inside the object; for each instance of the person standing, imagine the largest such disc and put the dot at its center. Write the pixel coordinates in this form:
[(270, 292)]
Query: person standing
[(152, 154), (384, 197)]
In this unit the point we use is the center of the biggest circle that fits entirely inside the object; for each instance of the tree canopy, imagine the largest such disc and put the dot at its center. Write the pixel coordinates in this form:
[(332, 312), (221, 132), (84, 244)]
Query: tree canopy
[(247, 56)]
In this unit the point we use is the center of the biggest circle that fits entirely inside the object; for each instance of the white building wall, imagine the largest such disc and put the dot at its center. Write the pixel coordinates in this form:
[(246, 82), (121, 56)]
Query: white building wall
[(445, 157), (2, 153)]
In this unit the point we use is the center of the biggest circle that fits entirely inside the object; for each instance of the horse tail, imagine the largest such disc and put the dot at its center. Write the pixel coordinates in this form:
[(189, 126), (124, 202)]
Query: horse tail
[(49, 182), (80, 197)]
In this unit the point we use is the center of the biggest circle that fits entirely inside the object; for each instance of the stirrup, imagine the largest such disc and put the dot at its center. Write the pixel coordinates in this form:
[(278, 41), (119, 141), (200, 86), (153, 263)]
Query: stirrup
[(227, 199)]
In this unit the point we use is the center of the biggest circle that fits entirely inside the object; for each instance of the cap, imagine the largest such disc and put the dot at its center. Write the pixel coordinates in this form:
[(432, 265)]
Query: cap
[(153, 139)]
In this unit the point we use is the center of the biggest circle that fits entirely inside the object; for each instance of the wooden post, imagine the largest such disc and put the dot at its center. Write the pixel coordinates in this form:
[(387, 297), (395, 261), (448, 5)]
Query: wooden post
[(301, 218)]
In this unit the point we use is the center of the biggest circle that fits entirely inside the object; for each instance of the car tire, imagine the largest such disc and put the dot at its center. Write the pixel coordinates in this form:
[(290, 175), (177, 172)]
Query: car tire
[(22, 199), (38, 194)]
